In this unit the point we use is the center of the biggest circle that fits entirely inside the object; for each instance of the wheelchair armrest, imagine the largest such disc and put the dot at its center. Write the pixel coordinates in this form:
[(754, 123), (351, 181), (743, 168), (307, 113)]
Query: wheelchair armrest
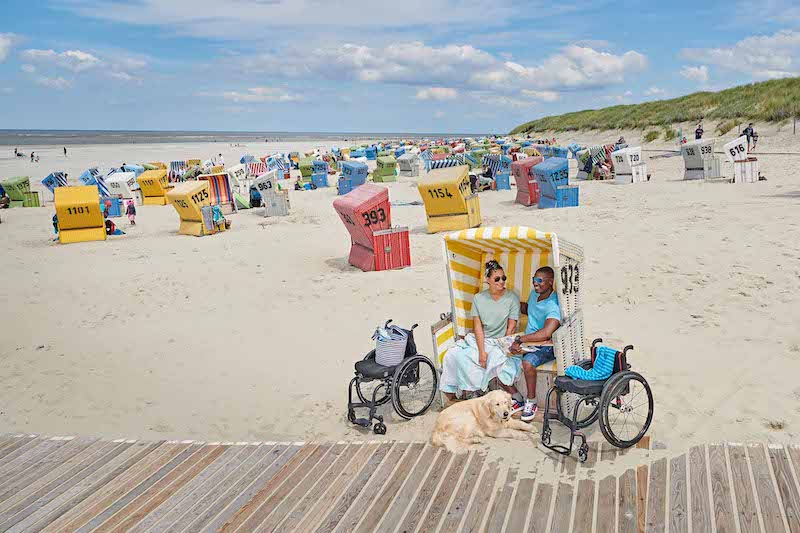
[(585, 364), (370, 355)]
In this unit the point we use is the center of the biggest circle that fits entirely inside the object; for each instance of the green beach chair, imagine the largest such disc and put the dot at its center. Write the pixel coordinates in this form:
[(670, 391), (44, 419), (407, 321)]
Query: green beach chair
[(16, 188), (385, 169), (306, 166)]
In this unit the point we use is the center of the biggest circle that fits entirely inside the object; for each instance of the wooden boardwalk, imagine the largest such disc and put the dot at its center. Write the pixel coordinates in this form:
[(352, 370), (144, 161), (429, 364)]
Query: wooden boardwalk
[(89, 484)]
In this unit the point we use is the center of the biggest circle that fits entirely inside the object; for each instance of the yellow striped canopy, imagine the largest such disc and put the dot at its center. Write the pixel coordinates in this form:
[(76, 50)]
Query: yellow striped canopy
[(519, 250)]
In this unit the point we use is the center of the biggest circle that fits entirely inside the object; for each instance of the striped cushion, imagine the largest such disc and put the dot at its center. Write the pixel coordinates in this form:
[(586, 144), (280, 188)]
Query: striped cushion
[(602, 369)]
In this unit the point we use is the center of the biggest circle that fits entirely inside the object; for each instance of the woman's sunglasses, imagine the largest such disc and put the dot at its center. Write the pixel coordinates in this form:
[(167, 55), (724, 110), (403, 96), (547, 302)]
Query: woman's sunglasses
[(498, 278)]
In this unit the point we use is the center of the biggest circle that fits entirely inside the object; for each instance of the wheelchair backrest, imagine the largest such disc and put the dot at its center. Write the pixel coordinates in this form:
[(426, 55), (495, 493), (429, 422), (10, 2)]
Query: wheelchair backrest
[(620, 357)]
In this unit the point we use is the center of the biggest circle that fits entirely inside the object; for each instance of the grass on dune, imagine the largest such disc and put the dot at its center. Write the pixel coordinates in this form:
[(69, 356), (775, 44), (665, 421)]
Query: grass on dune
[(768, 101)]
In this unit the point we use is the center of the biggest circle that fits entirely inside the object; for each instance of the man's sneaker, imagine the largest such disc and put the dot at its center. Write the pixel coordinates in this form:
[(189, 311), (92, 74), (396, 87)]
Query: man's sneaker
[(516, 407), (528, 412)]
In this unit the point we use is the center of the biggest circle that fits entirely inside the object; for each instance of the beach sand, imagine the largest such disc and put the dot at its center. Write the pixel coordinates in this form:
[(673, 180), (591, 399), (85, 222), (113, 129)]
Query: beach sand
[(252, 334)]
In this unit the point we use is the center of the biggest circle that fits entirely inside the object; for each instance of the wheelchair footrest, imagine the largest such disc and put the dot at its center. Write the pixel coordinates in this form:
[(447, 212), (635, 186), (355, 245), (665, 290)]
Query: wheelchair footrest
[(363, 422)]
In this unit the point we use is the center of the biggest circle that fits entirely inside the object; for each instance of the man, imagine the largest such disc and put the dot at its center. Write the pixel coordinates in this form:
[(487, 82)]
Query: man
[(544, 317), (698, 133), (748, 132), (221, 161)]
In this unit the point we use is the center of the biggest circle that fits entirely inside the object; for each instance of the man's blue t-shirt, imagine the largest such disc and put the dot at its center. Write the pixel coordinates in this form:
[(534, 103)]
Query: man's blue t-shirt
[(538, 312)]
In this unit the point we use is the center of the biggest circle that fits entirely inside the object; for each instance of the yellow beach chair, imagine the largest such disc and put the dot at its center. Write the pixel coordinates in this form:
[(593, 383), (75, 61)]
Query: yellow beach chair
[(79, 216), (449, 202), (520, 251), (189, 199), (154, 186)]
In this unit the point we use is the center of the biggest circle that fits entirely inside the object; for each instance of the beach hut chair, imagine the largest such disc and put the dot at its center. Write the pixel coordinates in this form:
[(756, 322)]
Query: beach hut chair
[(531, 151), (699, 160), (136, 169), (192, 201), (399, 152), (527, 186), (238, 176), (583, 157), (559, 151), (374, 244), (256, 168), (319, 177), (154, 186), (344, 154), (385, 169), (80, 218), (520, 250), (306, 167), (177, 169), (216, 169), (193, 163), (629, 167), (408, 165), (16, 188), (356, 172), (745, 168), (55, 179), (449, 203), (371, 153), (275, 200), (122, 185), (552, 175), (221, 192), (574, 148)]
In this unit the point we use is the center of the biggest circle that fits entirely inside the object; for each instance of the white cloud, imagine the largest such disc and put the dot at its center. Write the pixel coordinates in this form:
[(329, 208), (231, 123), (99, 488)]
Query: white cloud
[(28, 69), (74, 60), (544, 96), (262, 94), (503, 101), (437, 93), (655, 91), (698, 74), (759, 56), (7, 41), (58, 83), (121, 76)]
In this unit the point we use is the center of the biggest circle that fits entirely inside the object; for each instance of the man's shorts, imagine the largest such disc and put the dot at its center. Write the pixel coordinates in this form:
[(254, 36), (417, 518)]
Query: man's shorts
[(540, 356)]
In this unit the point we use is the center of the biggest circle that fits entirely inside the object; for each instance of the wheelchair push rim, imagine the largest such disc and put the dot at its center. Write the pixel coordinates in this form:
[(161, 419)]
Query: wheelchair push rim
[(365, 395), (587, 412), (626, 409), (414, 386)]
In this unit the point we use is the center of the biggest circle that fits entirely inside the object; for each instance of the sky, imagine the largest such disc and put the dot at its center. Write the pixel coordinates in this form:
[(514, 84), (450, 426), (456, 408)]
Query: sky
[(458, 66)]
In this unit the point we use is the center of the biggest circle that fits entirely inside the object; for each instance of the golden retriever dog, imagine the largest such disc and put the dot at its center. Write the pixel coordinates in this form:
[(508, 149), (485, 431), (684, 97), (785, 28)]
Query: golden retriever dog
[(467, 422)]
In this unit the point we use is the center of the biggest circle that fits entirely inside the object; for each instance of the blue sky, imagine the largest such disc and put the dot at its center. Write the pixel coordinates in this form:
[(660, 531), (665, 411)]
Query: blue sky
[(414, 66)]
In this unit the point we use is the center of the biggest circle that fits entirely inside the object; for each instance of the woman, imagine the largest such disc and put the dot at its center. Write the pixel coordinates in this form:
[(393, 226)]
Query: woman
[(479, 358)]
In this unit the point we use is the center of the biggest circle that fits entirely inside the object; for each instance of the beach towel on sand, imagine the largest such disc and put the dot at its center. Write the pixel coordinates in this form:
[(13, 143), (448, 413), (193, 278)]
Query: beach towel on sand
[(462, 371)]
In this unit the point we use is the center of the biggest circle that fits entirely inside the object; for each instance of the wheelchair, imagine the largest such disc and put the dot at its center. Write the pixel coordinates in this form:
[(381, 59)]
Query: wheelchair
[(411, 386), (617, 402)]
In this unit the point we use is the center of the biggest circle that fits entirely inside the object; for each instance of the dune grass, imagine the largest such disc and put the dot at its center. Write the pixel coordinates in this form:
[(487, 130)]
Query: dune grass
[(651, 136), (768, 101)]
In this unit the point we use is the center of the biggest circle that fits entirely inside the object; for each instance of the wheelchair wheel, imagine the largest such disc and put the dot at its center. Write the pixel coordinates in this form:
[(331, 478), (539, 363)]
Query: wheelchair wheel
[(364, 388), (414, 386), (626, 409), (587, 414)]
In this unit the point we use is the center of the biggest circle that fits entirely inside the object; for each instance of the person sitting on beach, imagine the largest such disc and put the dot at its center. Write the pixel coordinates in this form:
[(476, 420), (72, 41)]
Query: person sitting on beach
[(469, 366), (5, 201), (544, 318)]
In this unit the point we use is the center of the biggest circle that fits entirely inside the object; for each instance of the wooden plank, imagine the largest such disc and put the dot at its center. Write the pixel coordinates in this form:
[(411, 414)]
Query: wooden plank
[(250, 509), (45, 467), (87, 483), (13, 495), (340, 480), (678, 513), (442, 498), (608, 452), (426, 491), (657, 497), (541, 509), (562, 513), (569, 464), (19, 447), (19, 454), (226, 489), (159, 492), (480, 502), (786, 486), (743, 489), (642, 484), (584, 506), (499, 508), (698, 481), (313, 496), (518, 514), (304, 486), (720, 490), (110, 499), (462, 496), (607, 503), (771, 509), (246, 491), (296, 476), (195, 489), (629, 503)]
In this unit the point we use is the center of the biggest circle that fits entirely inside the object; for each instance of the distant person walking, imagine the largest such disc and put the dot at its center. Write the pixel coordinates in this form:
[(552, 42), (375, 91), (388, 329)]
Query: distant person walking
[(131, 212), (31, 157), (748, 132), (698, 133), (65, 151)]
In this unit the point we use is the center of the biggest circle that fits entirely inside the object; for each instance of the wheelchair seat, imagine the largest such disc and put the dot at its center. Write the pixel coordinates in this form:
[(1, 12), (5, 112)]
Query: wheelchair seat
[(369, 368), (584, 387)]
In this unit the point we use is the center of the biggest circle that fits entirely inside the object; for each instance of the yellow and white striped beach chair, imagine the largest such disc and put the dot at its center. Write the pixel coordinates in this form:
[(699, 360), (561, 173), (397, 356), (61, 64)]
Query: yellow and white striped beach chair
[(520, 250)]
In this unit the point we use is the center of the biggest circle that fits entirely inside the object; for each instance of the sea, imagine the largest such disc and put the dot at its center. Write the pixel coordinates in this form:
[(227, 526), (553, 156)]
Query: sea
[(71, 137)]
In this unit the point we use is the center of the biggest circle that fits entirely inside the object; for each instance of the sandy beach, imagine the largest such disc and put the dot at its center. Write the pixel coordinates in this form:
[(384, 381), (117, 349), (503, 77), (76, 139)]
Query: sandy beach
[(252, 334)]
